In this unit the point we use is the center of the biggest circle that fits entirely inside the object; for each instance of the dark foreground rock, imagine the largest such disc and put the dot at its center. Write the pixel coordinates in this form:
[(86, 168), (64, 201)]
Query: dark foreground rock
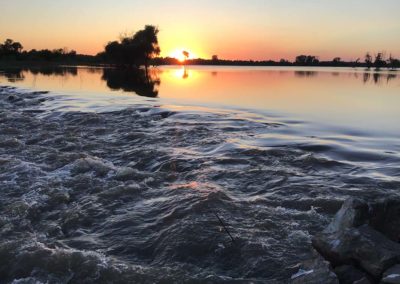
[(348, 274), (362, 243), (312, 271)]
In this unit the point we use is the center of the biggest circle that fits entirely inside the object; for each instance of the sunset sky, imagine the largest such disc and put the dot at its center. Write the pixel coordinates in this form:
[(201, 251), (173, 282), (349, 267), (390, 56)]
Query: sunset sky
[(232, 29)]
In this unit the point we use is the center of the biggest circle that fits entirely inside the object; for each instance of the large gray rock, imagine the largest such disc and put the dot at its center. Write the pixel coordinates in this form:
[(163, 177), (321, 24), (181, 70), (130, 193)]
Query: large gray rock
[(349, 239), (368, 248), (315, 271), (353, 213)]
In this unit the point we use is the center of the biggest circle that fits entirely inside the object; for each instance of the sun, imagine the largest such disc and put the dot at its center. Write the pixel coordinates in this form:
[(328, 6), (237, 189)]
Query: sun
[(179, 54)]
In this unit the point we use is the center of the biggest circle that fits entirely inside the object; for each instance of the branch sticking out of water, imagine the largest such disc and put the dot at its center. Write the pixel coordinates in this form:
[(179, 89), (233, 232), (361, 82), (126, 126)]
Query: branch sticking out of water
[(225, 228)]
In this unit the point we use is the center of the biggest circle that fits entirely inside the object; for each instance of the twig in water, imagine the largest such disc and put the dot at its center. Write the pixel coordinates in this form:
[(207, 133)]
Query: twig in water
[(225, 228)]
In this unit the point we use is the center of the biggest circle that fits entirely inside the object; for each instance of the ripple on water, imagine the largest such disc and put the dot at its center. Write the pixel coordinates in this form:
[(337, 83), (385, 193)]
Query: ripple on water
[(148, 194)]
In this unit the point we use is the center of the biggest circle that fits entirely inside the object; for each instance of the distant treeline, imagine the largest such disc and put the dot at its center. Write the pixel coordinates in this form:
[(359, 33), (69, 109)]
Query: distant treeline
[(379, 61), (142, 49), (13, 51)]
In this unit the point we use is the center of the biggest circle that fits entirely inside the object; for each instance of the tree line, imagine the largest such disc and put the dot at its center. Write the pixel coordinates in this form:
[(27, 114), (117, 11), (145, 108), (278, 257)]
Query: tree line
[(378, 61), (12, 50), (142, 49)]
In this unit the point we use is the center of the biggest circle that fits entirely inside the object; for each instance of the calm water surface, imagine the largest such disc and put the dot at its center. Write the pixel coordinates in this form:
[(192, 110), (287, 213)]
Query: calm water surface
[(341, 97), (115, 176)]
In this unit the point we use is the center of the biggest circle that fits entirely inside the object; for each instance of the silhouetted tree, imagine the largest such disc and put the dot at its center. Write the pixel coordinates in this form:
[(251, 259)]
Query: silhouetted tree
[(214, 58), (393, 62), (355, 63), (136, 50), (147, 44), (10, 48), (307, 60), (283, 61), (185, 54), (379, 60), (368, 60)]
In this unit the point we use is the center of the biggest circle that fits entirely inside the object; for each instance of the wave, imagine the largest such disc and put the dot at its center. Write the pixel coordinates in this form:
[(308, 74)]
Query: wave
[(149, 194)]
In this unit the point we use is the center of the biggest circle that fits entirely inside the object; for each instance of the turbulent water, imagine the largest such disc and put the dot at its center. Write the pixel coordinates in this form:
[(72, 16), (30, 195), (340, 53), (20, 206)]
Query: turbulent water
[(149, 194)]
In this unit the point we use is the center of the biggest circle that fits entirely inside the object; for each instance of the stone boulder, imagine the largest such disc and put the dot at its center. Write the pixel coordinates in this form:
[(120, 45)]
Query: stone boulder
[(362, 246), (363, 235), (315, 270), (385, 218)]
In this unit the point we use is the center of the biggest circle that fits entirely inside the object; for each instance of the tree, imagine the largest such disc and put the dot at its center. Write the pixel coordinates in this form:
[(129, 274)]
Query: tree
[(393, 62), (214, 58), (368, 60), (135, 50), (185, 54), (146, 42), (10, 47), (379, 60), (307, 60)]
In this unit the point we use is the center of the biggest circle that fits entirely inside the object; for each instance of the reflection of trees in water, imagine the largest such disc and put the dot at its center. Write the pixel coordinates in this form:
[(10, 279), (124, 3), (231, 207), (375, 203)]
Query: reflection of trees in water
[(391, 77), (94, 70), (54, 71), (18, 74), (185, 74), (372, 77), (378, 78), (13, 75), (132, 80), (366, 77), (305, 74)]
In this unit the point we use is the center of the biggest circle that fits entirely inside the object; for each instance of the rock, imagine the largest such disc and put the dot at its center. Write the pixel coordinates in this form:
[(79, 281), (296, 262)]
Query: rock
[(368, 248), (392, 275), (348, 274), (364, 280), (350, 239), (315, 271), (385, 218), (353, 213), (374, 252)]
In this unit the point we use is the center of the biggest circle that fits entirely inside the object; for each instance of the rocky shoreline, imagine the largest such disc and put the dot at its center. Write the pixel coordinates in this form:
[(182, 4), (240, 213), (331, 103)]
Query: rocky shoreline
[(361, 245)]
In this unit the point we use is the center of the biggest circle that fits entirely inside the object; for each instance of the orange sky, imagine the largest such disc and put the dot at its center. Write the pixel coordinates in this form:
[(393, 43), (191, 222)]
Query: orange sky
[(232, 29)]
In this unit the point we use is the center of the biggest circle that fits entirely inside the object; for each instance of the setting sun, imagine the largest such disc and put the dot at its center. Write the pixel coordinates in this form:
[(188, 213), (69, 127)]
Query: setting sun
[(179, 54)]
